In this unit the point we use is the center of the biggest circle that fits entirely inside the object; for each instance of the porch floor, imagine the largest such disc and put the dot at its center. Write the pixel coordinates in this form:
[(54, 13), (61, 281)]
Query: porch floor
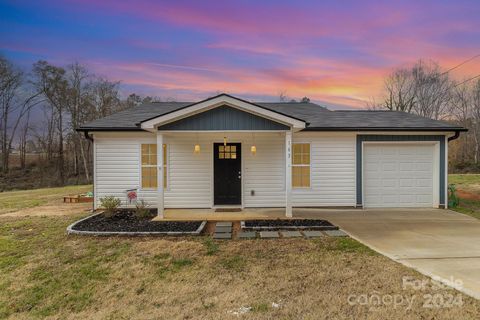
[(331, 214)]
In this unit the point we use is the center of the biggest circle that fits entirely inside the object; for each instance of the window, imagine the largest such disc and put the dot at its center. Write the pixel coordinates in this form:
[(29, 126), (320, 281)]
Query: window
[(149, 166), (301, 165), (227, 152)]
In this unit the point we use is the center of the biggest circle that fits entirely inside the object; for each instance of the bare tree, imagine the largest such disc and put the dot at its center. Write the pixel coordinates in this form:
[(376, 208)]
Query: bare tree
[(105, 97), (400, 91), (475, 114), (51, 82), (24, 131), (461, 112), (432, 90), (14, 106), (422, 89), (78, 109), (10, 81)]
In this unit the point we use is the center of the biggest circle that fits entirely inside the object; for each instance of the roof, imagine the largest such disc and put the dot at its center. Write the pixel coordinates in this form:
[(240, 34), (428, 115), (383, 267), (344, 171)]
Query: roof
[(318, 118)]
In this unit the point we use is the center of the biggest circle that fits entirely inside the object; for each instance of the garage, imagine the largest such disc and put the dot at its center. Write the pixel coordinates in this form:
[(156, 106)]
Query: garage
[(399, 175)]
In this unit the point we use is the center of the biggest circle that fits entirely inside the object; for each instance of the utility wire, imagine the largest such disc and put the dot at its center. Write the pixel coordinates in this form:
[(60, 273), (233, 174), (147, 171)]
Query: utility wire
[(461, 64), (458, 84)]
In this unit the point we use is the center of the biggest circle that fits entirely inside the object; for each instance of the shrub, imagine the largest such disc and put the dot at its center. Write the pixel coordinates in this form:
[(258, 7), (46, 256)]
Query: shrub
[(453, 200), (110, 204), (141, 209)]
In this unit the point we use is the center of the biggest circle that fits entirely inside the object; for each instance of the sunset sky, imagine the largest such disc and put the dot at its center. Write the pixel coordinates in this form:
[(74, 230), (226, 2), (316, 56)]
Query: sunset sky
[(335, 52)]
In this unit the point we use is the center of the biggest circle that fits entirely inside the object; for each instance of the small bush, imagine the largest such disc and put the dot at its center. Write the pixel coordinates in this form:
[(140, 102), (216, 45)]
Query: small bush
[(110, 204), (141, 209), (453, 200)]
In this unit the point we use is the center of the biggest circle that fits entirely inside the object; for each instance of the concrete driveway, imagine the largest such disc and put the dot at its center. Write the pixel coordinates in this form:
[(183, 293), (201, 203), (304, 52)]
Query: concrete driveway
[(435, 242)]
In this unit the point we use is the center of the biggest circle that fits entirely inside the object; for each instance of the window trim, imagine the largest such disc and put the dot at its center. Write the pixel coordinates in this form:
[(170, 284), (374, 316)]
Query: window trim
[(303, 165), (164, 167)]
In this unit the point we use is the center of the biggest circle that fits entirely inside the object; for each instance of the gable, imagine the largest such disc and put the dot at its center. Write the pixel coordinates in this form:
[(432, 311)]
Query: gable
[(223, 118)]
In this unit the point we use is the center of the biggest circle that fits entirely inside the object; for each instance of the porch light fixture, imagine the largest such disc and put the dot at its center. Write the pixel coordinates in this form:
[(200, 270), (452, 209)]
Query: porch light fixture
[(224, 141), (253, 148), (196, 149)]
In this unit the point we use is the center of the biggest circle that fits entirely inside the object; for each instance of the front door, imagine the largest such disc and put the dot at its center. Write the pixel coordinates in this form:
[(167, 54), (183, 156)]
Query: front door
[(227, 172)]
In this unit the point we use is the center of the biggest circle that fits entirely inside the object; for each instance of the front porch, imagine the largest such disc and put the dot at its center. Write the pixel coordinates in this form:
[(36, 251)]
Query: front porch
[(254, 214)]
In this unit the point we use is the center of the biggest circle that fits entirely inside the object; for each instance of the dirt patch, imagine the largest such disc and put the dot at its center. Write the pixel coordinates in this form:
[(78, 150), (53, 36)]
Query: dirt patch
[(468, 195), (60, 209)]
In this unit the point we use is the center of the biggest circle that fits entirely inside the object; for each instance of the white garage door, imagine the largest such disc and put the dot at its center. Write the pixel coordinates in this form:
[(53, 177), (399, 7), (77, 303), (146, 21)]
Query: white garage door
[(398, 175)]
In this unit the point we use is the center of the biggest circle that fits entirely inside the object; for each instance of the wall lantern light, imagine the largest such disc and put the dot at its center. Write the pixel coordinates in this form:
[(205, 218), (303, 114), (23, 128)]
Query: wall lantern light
[(253, 148), (196, 149)]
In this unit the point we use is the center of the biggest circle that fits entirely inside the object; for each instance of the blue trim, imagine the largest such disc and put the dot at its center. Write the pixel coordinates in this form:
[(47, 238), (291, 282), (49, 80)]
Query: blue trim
[(386, 138), (224, 118)]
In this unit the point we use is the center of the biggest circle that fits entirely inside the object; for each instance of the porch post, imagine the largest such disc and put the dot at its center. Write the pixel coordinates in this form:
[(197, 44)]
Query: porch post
[(160, 175), (288, 174)]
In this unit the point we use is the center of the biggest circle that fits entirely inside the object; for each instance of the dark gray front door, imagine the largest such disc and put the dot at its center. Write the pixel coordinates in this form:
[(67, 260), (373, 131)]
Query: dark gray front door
[(227, 174)]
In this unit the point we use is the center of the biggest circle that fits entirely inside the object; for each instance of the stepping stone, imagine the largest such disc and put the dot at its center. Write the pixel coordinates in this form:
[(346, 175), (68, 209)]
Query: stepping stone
[(291, 234), (247, 235), (224, 224), (313, 234), (223, 229), (269, 234), (336, 233), (222, 236)]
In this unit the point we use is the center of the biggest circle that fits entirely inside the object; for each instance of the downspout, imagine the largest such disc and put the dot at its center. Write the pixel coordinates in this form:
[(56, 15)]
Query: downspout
[(89, 137), (455, 136)]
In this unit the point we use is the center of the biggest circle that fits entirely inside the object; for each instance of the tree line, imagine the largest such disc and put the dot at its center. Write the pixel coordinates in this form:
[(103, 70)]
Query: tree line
[(427, 90), (39, 112), (41, 108)]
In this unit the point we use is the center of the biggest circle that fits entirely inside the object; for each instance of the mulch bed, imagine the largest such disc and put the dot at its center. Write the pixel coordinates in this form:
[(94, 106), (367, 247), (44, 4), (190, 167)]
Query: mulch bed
[(279, 224), (126, 221)]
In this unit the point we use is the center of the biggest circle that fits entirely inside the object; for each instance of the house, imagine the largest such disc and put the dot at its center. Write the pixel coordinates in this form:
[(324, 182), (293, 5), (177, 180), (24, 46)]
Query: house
[(225, 151)]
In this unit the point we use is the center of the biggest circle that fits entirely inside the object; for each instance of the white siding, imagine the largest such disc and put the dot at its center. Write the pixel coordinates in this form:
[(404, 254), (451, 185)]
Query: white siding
[(264, 172), (117, 166), (190, 175), (332, 170)]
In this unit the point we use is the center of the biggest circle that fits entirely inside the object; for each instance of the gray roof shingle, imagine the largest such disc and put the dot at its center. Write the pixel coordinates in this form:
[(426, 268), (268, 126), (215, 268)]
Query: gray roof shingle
[(318, 118)]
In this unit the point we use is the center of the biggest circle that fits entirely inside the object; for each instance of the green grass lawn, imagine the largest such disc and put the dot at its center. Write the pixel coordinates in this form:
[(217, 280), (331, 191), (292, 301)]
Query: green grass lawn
[(16, 200), (466, 182), (469, 183), (45, 273)]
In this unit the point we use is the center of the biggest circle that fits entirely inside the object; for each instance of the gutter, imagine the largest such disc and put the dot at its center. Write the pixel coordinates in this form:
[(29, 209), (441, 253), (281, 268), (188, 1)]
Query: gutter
[(87, 136), (455, 136)]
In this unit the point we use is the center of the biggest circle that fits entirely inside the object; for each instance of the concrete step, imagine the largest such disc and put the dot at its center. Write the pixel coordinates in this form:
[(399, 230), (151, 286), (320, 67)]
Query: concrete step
[(222, 236), (224, 224), (223, 229), (247, 235)]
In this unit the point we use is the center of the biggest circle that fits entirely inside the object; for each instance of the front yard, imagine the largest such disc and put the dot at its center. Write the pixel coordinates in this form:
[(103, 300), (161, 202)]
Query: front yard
[(468, 189), (45, 273)]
